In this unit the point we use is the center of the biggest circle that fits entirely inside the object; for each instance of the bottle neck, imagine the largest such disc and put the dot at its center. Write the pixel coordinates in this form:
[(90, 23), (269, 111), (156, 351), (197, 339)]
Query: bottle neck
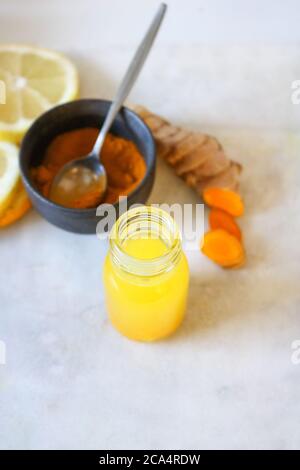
[(145, 223)]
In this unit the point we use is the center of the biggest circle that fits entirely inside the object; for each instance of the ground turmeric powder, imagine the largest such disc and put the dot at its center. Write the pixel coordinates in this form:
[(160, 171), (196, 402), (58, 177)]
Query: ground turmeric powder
[(124, 164)]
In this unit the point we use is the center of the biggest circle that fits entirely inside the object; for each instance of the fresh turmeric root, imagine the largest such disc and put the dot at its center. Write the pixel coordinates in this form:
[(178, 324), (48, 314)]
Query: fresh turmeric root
[(219, 219), (224, 199), (17, 208), (223, 248)]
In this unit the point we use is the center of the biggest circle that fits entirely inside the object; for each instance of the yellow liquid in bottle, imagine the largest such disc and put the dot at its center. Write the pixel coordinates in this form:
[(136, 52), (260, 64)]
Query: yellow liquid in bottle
[(146, 308)]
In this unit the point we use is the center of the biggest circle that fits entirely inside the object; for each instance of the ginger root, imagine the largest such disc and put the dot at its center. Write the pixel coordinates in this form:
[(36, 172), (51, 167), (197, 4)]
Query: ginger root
[(223, 248), (219, 219), (18, 207), (224, 199), (197, 158)]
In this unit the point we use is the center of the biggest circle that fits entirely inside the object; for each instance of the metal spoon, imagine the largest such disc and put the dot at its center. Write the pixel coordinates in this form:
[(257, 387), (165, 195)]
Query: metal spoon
[(86, 174)]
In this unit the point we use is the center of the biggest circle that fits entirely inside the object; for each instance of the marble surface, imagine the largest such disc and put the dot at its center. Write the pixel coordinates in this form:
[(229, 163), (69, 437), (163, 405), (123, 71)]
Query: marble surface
[(226, 379)]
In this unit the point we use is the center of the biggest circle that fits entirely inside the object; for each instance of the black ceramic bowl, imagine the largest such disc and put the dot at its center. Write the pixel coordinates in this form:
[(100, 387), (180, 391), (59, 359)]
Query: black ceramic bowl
[(74, 115)]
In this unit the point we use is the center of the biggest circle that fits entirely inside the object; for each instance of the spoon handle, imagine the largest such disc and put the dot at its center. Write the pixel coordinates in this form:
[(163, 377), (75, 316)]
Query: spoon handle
[(130, 76)]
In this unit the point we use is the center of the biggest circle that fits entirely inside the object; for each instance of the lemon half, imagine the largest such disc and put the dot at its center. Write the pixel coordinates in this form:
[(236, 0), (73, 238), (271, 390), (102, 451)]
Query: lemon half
[(33, 80), (9, 173)]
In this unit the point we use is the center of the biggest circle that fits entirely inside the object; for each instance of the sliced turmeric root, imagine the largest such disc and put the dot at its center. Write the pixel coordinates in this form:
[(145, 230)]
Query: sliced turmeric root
[(223, 248), (220, 219), (199, 159), (224, 199), (17, 208)]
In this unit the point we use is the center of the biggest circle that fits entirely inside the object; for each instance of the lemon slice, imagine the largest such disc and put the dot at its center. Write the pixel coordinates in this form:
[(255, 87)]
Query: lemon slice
[(9, 173), (34, 80)]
